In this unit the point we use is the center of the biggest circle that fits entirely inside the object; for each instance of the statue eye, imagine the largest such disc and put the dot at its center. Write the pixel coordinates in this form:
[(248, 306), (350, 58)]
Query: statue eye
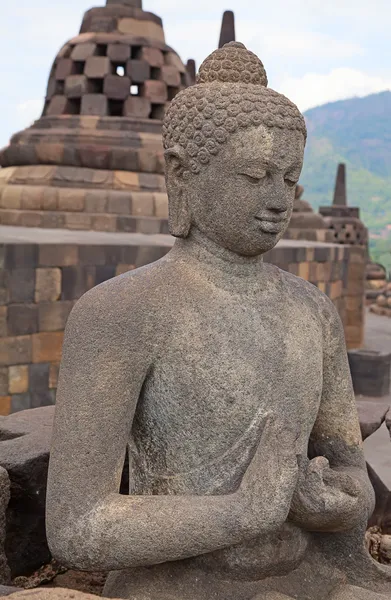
[(290, 182)]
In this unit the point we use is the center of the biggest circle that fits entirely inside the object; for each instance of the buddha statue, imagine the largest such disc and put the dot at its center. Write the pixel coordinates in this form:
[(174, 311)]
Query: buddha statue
[(223, 379)]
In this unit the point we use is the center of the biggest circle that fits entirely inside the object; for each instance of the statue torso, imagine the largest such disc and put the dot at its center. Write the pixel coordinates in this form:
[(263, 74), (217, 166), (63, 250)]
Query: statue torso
[(224, 362)]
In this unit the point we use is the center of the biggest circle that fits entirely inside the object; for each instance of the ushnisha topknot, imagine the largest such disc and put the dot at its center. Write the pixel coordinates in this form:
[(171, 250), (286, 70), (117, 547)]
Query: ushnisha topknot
[(230, 94), (232, 63)]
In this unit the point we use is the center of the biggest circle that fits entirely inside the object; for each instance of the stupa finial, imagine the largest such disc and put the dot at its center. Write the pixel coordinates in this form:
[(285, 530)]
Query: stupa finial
[(227, 32), (134, 3), (340, 187)]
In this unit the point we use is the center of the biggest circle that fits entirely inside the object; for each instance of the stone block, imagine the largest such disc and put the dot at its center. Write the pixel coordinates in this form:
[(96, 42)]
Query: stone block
[(49, 199), (63, 255), (47, 284), (126, 224), (20, 256), (103, 273), (21, 285), (153, 56), (52, 316), (31, 197), (83, 51), (76, 281), (53, 375), (30, 219), (63, 69), (57, 106), (97, 67), (142, 204), (4, 381), (120, 203), (20, 402), (141, 28), (22, 319), (118, 53), (323, 271), (160, 205), (96, 201), (53, 220), (116, 87), (10, 217), (104, 223), (123, 268), (170, 75), (39, 377), (3, 321), (148, 160), (155, 91), (172, 59), (76, 86), (126, 159), (43, 398), (137, 106), (91, 255), (126, 180), (11, 197), (71, 200), (5, 405), (5, 495), (18, 379), (78, 221), (336, 289), (25, 454), (47, 347), (15, 350), (370, 372), (94, 104), (138, 70)]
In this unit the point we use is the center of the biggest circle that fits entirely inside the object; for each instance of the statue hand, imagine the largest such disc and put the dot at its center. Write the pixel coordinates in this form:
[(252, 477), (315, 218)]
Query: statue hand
[(325, 499), (267, 486)]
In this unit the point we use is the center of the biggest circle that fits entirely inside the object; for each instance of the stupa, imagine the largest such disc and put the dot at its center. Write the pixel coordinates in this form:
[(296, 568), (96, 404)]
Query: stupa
[(343, 220), (94, 160), (305, 223)]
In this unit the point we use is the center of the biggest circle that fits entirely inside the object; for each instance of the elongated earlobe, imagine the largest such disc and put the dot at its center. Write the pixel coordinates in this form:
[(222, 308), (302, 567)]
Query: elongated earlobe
[(179, 217)]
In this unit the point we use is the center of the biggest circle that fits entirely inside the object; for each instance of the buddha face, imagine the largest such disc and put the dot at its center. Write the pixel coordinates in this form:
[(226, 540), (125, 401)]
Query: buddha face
[(243, 199)]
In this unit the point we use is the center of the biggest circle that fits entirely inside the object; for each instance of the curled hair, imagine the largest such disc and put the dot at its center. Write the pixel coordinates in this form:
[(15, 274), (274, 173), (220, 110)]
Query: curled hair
[(230, 94)]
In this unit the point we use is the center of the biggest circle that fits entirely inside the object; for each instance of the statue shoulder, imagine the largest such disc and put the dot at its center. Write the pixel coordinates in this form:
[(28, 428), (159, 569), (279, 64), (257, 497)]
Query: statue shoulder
[(128, 300), (309, 294)]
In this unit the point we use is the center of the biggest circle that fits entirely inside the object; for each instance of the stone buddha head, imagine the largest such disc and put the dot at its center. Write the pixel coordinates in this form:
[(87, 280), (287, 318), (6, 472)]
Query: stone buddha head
[(234, 152)]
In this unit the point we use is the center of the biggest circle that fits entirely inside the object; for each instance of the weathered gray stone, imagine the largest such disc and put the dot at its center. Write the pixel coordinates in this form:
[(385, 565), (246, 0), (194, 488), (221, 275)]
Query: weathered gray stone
[(226, 379), (24, 452), (7, 590), (5, 574), (48, 593)]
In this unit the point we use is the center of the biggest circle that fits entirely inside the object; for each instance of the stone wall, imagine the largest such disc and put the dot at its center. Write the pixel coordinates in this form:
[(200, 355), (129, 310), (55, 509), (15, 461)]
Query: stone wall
[(44, 272)]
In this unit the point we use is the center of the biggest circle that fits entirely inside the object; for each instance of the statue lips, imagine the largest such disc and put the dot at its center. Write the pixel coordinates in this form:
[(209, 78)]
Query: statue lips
[(271, 224)]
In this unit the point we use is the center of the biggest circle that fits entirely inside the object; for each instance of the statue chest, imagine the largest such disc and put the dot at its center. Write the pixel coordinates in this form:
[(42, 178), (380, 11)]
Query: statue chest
[(221, 371)]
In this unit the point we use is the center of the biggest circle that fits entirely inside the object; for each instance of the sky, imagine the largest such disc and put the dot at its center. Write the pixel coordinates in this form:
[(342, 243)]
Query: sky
[(314, 51)]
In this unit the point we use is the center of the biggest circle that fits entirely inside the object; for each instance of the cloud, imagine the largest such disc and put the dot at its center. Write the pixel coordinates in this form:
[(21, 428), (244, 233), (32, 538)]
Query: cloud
[(314, 89), (299, 43)]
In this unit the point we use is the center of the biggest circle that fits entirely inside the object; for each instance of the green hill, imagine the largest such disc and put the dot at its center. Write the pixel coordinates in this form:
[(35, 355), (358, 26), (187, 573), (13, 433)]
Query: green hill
[(357, 132)]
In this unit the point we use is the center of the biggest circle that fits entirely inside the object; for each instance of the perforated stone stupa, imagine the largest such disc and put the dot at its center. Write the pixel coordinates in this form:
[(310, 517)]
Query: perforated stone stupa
[(343, 220), (94, 159)]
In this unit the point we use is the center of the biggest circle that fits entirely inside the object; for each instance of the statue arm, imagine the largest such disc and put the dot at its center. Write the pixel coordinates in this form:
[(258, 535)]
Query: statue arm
[(89, 524), (335, 493)]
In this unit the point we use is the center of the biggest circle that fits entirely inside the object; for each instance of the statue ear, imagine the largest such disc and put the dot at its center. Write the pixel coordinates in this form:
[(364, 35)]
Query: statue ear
[(177, 173)]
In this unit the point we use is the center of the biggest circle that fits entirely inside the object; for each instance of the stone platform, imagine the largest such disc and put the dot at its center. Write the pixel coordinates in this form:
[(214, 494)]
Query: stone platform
[(44, 271)]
